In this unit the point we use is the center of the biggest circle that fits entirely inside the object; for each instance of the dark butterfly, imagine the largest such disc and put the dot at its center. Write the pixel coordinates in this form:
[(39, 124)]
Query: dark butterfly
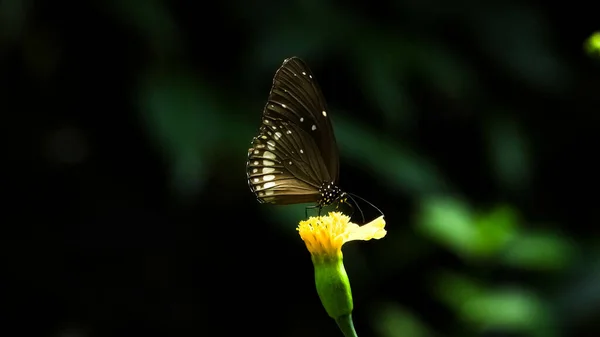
[(295, 158)]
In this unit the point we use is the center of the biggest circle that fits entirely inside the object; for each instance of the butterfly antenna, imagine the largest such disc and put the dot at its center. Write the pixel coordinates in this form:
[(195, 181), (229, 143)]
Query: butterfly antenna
[(362, 215), (363, 199), (349, 205)]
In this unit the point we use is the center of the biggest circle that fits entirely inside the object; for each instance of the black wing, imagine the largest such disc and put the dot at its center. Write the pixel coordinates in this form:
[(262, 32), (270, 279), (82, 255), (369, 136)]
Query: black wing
[(295, 151)]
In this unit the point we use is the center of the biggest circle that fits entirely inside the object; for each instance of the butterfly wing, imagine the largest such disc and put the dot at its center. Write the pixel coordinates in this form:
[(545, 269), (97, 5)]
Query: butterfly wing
[(295, 151), (295, 86), (279, 169)]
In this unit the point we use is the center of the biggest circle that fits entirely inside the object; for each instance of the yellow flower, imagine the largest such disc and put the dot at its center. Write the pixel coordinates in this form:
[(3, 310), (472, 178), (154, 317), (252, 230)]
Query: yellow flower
[(325, 235)]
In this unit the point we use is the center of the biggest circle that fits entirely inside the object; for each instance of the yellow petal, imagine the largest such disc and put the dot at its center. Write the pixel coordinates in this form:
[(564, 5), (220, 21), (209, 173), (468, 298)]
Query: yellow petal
[(372, 230), (325, 235)]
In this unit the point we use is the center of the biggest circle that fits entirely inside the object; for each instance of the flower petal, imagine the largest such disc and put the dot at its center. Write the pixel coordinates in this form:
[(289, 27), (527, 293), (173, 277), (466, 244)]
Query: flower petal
[(372, 230), (325, 235)]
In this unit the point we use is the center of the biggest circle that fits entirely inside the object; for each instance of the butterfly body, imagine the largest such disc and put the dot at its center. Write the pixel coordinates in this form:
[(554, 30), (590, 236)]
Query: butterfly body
[(294, 159)]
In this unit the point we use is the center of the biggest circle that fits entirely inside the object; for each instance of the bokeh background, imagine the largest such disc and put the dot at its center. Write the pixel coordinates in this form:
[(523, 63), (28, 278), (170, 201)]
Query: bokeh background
[(472, 125)]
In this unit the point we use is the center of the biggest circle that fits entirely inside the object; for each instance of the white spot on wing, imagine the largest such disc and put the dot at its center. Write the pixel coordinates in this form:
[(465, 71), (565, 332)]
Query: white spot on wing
[(302, 119), (269, 155), (309, 76), (268, 177), (288, 132), (267, 169), (324, 113), (255, 162), (255, 170), (268, 185), (301, 151), (267, 163), (314, 127), (284, 106), (277, 135), (256, 180), (304, 73)]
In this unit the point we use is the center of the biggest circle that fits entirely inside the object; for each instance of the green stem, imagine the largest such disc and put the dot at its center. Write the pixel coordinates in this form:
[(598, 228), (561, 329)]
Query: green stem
[(345, 324)]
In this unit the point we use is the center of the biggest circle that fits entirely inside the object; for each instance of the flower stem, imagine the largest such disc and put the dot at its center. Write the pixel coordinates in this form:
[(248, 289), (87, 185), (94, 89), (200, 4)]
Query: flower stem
[(345, 324)]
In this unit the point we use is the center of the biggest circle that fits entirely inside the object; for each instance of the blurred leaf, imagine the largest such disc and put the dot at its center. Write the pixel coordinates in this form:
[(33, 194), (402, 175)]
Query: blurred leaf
[(503, 309), (592, 44), (510, 156), (495, 229), (392, 320), (451, 223), (539, 251)]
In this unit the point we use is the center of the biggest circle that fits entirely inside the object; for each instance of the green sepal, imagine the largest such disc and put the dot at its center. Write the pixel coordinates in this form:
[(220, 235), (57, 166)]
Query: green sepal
[(333, 286)]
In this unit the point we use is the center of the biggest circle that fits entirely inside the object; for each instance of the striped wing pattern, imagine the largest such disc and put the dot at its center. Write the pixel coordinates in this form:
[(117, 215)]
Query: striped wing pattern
[(294, 158)]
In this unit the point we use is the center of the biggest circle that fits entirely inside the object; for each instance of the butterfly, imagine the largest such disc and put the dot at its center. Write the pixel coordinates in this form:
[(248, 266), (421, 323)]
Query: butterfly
[(295, 159)]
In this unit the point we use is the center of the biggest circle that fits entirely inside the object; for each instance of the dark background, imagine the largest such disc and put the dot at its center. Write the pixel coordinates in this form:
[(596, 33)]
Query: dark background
[(472, 125)]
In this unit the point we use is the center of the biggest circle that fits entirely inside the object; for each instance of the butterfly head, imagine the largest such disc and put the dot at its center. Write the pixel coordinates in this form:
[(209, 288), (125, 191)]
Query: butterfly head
[(331, 193)]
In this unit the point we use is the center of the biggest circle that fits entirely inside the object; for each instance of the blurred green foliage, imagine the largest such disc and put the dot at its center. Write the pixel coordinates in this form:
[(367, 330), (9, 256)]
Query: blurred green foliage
[(497, 235), (175, 103), (450, 222), (499, 308), (195, 123), (592, 44)]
